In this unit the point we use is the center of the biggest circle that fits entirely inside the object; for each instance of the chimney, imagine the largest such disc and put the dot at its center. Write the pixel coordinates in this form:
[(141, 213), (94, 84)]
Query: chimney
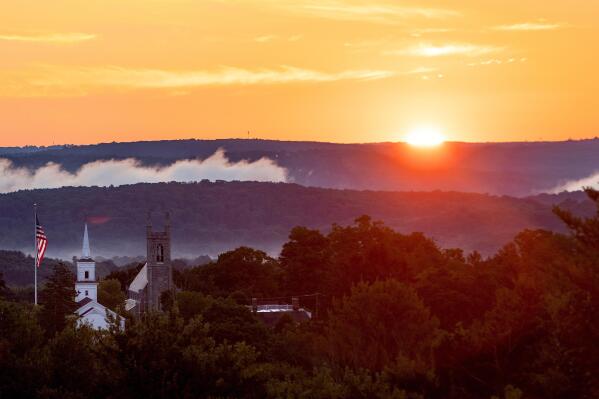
[(295, 303)]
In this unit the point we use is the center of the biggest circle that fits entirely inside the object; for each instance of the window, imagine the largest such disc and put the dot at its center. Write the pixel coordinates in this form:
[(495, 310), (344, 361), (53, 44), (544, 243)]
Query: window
[(86, 275), (160, 253), (86, 293)]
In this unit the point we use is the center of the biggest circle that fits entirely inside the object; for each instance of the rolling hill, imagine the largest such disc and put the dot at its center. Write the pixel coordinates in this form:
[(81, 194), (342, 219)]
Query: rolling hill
[(516, 169), (211, 217)]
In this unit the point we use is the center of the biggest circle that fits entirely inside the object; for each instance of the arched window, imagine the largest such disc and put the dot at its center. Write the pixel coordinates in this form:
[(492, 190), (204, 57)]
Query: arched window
[(160, 253), (86, 276)]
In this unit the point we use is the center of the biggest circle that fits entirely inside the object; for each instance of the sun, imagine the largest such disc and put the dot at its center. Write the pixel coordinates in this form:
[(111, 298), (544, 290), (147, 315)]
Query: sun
[(425, 137)]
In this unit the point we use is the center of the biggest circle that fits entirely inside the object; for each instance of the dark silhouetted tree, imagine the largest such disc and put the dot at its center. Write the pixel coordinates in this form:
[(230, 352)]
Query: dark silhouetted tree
[(586, 231), (110, 294), (305, 258), (381, 325), (58, 298), (4, 292)]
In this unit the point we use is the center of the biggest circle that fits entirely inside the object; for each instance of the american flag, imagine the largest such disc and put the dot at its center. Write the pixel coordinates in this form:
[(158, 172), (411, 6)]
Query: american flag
[(41, 242)]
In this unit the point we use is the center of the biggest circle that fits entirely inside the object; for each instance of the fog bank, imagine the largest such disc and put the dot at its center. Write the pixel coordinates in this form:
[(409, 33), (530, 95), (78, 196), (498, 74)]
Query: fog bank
[(131, 171), (575, 185)]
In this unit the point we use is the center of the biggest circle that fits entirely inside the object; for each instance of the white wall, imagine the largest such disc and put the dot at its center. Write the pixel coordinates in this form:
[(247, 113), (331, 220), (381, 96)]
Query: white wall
[(91, 288), (90, 267), (97, 321)]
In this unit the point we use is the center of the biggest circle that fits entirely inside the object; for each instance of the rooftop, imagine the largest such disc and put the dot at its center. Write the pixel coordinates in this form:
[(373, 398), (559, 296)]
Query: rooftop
[(140, 281)]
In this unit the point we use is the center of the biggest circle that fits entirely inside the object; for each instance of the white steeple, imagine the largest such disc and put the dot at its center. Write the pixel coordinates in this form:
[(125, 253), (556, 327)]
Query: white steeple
[(86, 252), (86, 285)]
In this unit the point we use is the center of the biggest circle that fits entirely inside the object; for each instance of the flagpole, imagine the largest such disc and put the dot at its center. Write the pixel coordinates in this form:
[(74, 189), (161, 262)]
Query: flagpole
[(35, 251)]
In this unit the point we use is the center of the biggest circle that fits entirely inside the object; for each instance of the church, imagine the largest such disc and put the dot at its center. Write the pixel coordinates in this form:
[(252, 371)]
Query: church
[(144, 293), (156, 276), (89, 310)]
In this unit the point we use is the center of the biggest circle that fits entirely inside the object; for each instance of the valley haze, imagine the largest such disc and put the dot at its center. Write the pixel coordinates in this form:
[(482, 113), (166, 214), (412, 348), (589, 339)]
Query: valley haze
[(516, 169), (222, 193)]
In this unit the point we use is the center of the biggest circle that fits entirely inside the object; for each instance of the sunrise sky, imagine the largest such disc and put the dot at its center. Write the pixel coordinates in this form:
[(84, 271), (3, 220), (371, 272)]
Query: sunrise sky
[(328, 70)]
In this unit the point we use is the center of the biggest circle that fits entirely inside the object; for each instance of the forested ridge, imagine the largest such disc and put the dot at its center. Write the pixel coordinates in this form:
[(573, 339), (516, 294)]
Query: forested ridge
[(212, 217), (398, 317), (517, 169)]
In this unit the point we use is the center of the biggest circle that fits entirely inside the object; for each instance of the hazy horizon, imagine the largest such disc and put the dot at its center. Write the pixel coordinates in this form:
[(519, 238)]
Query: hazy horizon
[(198, 138)]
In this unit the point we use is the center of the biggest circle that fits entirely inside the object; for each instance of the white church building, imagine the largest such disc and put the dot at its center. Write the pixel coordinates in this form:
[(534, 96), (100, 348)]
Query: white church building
[(90, 311)]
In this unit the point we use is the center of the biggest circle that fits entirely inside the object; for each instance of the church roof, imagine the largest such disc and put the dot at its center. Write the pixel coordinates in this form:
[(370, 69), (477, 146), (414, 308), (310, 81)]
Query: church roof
[(84, 301), (86, 312), (87, 305), (130, 304), (141, 280)]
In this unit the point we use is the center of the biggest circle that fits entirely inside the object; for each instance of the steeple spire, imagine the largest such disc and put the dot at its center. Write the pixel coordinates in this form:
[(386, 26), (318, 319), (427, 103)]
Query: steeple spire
[(86, 252)]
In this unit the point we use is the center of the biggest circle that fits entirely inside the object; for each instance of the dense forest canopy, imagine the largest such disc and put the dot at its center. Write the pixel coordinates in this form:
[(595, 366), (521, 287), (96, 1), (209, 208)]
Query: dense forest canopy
[(517, 169), (212, 217), (395, 316)]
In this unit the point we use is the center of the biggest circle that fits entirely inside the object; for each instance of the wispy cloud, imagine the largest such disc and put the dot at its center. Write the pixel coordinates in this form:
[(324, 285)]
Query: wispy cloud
[(157, 78), (532, 26), (55, 38), (497, 61), (425, 73), (265, 38), (270, 38), (55, 80), (366, 11), (431, 50)]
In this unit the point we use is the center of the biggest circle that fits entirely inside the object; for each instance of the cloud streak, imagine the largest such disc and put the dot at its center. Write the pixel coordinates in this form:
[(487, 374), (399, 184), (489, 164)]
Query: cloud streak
[(496, 61), (53, 38), (531, 26), (387, 12), (431, 50), (130, 171), (55, 80), (265, 38), (366, 11)]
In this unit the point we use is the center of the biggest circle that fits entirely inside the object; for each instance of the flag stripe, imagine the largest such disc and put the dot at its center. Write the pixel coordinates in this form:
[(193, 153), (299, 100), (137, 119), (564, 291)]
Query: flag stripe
[(41, 242)]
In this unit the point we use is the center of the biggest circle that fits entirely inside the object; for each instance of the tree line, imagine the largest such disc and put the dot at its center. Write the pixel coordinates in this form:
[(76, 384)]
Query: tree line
[(398, 317), (212, 217)]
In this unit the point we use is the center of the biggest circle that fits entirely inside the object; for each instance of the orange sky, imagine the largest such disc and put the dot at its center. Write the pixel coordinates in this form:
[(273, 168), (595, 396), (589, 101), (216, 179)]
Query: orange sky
[(329, 70)]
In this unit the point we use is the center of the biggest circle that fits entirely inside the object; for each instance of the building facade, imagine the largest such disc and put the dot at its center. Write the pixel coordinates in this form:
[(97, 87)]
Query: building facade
[(156, 276), (90, 312), (86, 285)]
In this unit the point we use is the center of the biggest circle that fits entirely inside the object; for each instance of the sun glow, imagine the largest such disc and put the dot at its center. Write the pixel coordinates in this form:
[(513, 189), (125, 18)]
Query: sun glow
[(425, 137)]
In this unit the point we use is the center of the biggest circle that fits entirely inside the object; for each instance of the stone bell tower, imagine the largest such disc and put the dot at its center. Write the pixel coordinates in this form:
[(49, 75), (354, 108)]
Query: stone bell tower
[(160, 271)]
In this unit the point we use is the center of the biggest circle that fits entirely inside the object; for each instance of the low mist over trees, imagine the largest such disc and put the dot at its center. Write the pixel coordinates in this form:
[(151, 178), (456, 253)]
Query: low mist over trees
[(395, 317), (209, 218), (498, 168)]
